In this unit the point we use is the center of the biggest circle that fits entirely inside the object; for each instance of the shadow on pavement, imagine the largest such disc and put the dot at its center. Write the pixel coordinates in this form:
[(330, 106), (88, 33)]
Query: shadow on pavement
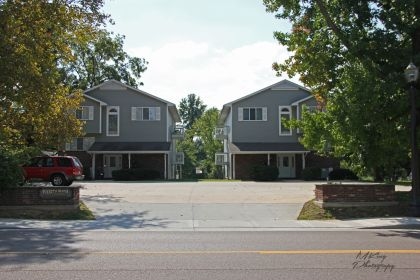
[(39, 246)]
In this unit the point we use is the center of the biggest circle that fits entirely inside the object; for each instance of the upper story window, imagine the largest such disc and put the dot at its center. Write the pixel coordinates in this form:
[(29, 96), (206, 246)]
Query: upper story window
[(85, 113), (113, 121), (285, 114), (145, 113), (252, 113)]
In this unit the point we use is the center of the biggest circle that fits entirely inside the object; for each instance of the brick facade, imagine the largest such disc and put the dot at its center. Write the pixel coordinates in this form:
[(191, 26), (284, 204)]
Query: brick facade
[(354, 193), (149, 162), (245, 162), (60, 198)]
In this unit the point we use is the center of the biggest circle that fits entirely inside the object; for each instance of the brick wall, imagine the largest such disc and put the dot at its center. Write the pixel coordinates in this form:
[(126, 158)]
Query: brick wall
[(46, 196), (355, 193), (150, 162), (244, 164)]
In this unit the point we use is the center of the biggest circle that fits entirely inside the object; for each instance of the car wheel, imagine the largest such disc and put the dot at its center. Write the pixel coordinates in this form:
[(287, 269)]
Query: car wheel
[(58, 180)]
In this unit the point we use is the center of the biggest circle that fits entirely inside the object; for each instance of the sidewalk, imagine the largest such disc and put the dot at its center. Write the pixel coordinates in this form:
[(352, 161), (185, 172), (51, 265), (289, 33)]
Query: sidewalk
[(214, 225)]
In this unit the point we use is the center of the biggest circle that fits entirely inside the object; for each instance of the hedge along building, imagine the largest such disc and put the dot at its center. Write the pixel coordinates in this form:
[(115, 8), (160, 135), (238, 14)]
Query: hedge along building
[(254, 132), (127, 128)]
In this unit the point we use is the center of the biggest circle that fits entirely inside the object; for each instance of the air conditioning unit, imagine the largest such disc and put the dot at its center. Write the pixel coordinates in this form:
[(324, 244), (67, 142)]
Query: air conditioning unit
[(178, 158), (221, 159)]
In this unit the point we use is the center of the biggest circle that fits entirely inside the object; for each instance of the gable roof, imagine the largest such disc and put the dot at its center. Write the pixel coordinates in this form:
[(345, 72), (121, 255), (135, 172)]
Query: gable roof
[(94, 99), (282, 85), (114, 84), (302, 100)]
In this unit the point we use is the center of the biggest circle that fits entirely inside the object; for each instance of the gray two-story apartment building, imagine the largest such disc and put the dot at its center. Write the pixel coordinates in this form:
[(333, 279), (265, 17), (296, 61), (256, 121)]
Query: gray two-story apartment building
[(254, 131), (127, 128)]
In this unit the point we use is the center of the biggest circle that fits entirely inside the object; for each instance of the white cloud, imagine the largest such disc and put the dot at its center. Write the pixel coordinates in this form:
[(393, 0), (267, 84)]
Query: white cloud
[(216, 75)]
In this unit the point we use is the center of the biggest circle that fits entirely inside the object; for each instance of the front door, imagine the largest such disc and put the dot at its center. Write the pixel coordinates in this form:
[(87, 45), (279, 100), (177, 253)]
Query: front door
[(286, 164), (111, 163)]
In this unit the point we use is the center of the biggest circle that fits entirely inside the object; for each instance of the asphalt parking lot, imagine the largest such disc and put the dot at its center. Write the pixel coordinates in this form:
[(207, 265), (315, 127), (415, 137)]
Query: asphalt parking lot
[(195, 204)]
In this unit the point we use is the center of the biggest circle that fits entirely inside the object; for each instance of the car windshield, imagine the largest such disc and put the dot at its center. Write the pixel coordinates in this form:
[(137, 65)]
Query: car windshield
[(77, 162)]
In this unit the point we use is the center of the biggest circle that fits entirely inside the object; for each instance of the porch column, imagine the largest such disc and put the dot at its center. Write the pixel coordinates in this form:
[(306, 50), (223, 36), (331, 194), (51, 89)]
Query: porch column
[(303, 161), (165, 167), (129, 160), (234, 167), (93, 171), (268, 159)]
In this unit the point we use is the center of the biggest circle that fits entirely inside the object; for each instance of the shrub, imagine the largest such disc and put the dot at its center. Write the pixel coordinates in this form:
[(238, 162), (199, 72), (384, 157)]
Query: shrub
[(342, 174), (134, 174), (11, 173), (311, 173), (264, 173)]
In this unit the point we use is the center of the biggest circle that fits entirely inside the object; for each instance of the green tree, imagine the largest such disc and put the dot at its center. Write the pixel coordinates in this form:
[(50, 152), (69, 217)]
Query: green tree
[(103, 59), (204, 128), (191, 151), (352, 55), (190, 109), (200, 145), (35, 40)]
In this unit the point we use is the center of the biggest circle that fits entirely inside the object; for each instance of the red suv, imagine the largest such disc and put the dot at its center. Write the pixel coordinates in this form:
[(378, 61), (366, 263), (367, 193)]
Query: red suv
[(59, 170)]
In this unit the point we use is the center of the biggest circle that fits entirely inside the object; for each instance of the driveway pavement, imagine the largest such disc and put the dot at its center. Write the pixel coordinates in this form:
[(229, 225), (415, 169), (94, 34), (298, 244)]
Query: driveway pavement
[(196, 204), (203, 206)]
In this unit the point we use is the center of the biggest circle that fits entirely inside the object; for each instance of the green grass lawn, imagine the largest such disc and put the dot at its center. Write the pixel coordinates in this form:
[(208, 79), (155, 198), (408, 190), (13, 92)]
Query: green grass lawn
[(84, 213), (311, 211)]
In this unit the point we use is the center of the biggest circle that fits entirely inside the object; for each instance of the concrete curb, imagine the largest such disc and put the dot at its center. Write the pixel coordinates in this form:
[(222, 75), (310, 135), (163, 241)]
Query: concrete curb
[(405, 223)]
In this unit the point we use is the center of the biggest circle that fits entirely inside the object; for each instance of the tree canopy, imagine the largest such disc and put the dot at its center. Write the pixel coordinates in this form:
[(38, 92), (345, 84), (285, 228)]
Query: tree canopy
[(103, 59), (200, 146), (352, 54), (49, 52), (190, 109), (35, 41)]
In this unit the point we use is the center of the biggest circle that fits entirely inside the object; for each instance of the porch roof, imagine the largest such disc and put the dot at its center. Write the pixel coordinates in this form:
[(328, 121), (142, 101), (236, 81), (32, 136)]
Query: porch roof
[(127, 147), (254, 148)]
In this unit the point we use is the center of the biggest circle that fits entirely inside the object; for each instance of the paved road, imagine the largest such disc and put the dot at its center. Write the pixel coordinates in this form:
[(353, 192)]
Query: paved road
[(50, 254)]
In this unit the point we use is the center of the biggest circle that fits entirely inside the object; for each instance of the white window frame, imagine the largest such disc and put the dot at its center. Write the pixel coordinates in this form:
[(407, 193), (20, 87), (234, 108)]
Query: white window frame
[(288, 133), (87, 142), (139, 111), (263, 114), (108, 114), (89, 116)]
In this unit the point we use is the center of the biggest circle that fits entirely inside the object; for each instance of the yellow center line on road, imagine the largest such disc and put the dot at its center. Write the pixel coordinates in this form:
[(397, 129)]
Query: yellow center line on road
[(215, 252)]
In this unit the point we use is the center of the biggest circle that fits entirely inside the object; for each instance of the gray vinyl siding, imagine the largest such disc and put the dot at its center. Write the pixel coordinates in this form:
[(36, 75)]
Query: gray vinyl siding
[(310, 102), (131, 131), (265, 131), (92, 126)]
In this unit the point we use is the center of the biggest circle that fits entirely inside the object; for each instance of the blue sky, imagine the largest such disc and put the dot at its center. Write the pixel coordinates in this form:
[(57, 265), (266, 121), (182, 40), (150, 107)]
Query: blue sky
[(218, 49)]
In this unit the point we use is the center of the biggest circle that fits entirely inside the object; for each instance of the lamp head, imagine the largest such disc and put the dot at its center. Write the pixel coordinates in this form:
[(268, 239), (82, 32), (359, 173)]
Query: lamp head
[(411, 73)]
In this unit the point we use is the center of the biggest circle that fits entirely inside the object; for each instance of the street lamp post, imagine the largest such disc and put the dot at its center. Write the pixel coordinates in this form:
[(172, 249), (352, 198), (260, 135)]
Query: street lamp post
[(411, 75)]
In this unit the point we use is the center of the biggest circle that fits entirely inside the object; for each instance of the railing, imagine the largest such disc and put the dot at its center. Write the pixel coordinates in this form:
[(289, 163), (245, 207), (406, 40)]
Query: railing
[(221, 159), (177, 132), (221, 132)]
